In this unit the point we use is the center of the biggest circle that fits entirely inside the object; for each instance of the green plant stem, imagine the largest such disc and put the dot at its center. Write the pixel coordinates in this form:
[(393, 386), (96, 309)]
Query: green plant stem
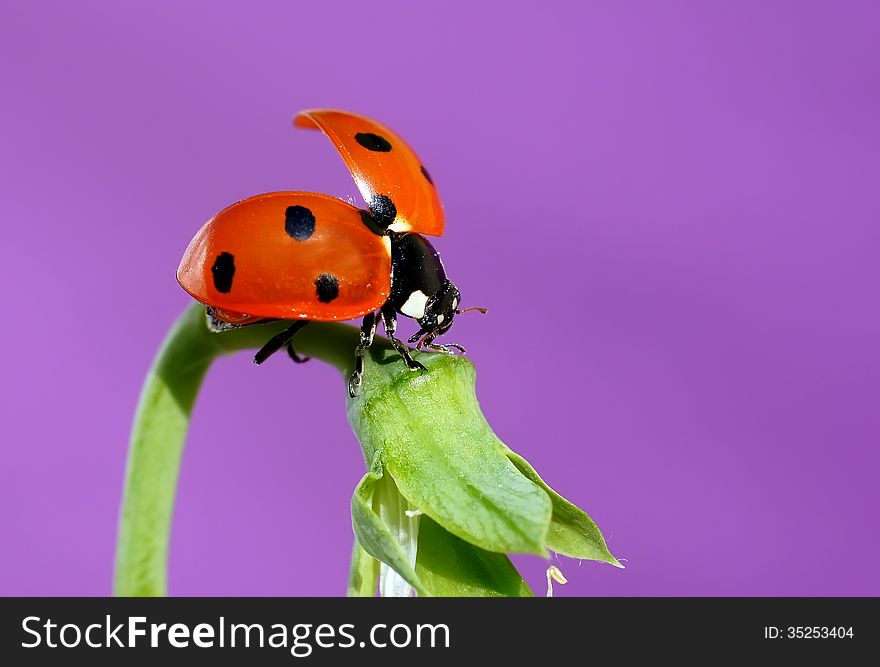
[(427, 447), (160, 427)]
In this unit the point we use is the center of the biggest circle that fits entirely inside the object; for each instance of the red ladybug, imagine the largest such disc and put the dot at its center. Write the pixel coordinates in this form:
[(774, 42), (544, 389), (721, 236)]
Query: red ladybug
[(307, 257)]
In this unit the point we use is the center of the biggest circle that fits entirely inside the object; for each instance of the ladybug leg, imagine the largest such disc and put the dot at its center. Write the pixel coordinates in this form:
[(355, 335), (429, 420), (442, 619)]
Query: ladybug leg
[(428, 342), (445, 347), (368, 331), (278, 341), (293, 355), (389, 321)]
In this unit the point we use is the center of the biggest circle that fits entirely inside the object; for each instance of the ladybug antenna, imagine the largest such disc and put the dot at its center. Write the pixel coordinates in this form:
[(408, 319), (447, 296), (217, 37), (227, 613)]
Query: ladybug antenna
[(481, 309)]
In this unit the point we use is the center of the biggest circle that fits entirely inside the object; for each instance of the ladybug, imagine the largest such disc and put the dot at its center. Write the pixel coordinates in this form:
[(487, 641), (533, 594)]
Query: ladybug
[(305, 256)]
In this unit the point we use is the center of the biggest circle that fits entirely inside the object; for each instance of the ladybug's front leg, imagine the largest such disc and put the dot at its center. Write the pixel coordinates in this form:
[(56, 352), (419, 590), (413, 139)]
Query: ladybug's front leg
[(389, 321), (368, 331), (445, 348), (427, 341)]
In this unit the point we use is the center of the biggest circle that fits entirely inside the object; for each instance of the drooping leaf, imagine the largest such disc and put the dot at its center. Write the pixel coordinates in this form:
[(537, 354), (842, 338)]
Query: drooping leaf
[(572, 532), (450, 567)]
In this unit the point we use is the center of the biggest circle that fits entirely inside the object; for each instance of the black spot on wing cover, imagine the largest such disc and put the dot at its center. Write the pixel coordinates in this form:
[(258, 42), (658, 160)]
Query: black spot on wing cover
[(223, 271), (426, 174), (299, 222), (373, 142), (326, 287), (383, 210)]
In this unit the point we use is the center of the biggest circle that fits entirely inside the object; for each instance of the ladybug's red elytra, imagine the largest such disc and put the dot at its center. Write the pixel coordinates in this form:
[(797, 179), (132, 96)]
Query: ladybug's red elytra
[(306, 256)]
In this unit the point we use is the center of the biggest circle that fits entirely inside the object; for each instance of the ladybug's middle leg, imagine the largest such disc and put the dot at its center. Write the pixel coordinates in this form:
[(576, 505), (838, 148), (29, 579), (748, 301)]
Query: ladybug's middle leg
[(294, 356), (368, 331), (280, 340), (389, 321)]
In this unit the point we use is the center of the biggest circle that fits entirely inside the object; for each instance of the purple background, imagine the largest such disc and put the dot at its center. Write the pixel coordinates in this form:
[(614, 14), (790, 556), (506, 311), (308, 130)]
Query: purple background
[(670, 208)]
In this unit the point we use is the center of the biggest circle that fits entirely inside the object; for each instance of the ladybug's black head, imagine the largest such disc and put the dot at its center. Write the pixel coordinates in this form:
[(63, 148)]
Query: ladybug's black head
[(421, 290), (440, 309)]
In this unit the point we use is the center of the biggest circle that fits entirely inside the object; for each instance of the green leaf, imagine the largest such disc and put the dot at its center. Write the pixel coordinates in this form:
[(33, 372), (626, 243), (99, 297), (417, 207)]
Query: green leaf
[(431, 436), (450, 567), (374, 535), (572, 532), (364, 574)]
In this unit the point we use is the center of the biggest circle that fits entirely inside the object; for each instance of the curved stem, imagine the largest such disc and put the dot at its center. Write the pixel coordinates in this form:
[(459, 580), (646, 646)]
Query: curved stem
[(160, 426)]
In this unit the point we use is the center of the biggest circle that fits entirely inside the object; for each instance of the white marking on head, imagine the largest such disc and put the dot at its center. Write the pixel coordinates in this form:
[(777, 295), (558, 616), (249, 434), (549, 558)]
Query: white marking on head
[(455, 303), (440, 319), (415, 305)]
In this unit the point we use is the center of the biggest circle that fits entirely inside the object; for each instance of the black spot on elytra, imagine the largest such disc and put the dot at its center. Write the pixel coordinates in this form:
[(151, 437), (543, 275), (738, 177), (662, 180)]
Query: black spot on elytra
[(383, 210), (426, 174), (299, 222), (326, 287), (373, 142), (222, 272), (367, 219)]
